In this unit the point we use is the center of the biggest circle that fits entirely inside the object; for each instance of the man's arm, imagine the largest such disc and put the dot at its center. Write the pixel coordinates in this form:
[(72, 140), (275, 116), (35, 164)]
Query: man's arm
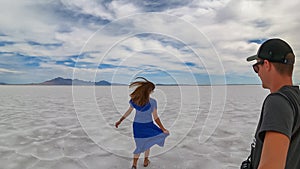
[(274, 151)]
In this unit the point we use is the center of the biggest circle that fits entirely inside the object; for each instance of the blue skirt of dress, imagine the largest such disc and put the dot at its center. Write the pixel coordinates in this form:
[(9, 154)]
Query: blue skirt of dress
[(147, 135)]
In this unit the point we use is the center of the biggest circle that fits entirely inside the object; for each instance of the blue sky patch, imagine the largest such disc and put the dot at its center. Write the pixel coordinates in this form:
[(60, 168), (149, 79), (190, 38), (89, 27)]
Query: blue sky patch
[(71, 63), (190, 64), (75, 15), (257, 41), (33, 43), (107, 66), (6, 43), (20, 60), (158, 5)]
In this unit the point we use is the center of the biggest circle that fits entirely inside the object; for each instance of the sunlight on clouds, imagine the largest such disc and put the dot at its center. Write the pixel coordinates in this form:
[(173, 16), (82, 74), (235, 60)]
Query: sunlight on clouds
[(23, 23), (88, 7), (126, 34), (122, 8), (2, 70), (137, 54)]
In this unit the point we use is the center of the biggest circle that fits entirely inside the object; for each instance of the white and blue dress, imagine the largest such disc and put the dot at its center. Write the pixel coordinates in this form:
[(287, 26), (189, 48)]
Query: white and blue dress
[(146, 133)]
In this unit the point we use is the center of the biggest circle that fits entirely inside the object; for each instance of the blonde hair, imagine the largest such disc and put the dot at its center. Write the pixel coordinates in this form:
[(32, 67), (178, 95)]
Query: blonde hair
[(141, 95)]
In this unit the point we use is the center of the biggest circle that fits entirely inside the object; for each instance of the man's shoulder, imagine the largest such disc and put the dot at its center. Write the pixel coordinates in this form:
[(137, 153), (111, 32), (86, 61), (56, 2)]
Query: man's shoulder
[(285, 92), (275, 99), (287, 98), (289, 88), (291, 93)]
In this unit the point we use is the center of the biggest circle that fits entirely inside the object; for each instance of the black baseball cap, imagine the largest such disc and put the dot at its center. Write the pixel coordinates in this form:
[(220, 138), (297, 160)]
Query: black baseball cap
[(274, 50)]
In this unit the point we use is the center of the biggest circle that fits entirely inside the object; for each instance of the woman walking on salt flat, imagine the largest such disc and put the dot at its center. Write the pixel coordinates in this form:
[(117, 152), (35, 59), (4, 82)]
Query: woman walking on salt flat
[(145, 132)]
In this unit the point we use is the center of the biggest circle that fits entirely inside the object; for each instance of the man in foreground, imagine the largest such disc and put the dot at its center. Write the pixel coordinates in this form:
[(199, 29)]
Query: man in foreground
[(277, 138)]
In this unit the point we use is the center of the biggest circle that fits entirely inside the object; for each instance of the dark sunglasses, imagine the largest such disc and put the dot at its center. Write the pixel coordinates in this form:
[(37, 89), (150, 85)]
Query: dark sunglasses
[(256, 67)]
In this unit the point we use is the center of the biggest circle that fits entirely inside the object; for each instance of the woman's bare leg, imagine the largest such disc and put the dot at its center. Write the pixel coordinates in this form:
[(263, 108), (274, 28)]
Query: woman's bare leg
[(146, 160), (135, 159)]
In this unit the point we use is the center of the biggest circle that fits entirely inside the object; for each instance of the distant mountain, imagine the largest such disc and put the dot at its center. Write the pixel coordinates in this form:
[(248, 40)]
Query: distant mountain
[(58, 81), (62, 81), (1, 83), (102, 83)]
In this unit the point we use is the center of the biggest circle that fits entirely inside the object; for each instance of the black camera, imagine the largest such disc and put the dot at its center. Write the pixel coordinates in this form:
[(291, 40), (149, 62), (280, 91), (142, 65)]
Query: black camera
[(246, 164)]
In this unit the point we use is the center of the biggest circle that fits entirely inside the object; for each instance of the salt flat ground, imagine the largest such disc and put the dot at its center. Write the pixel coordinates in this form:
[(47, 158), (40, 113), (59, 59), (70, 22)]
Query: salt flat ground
[(64, 127)]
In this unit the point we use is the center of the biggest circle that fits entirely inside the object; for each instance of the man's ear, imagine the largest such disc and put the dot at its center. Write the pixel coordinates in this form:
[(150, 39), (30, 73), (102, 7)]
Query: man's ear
[(268, 65)]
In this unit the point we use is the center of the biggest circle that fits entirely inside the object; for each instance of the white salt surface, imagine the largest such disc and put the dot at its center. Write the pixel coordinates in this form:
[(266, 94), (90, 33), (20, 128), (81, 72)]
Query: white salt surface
[(56, 127)]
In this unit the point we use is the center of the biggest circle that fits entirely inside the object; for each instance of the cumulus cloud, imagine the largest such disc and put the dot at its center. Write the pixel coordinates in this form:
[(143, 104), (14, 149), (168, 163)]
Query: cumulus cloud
[(198, 38)]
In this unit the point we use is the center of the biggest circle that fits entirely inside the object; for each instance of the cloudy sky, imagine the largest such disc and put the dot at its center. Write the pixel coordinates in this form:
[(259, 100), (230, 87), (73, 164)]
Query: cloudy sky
[(179, 41)]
